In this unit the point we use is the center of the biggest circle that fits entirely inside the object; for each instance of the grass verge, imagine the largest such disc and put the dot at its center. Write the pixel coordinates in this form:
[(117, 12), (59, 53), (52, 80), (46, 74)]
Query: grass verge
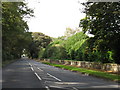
[(105, 75)]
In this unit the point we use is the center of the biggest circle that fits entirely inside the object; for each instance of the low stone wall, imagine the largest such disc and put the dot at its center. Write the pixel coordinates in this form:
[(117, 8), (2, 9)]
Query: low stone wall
[(109, 67)]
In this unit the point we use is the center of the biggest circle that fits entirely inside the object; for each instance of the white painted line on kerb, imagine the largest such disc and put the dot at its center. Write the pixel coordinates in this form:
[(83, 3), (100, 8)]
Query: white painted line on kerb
[(47, 87), (75, 88), (38, 76), (39, 69), (32, 68), (53, 77)]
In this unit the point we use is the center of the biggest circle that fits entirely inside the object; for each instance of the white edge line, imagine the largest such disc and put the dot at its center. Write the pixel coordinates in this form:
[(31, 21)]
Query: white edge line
[(53, 77), (38, 76), (47, 87)]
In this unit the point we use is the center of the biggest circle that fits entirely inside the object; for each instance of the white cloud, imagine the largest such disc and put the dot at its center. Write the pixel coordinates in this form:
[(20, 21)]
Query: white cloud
[(53, 16)]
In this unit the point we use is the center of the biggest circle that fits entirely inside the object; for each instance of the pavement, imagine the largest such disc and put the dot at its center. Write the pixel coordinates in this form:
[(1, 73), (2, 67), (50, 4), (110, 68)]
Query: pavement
[(29, 74)]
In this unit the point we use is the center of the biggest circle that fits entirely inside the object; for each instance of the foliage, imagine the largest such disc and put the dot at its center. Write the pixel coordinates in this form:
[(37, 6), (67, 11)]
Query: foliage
[(55, 50), (79, 47), (41, 52), (70, 48), (73, 43), (15, 35), (39, 42), (102, 20)]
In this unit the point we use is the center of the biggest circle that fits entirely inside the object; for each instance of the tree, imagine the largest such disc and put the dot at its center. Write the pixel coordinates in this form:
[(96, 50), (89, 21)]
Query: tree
[(56, 49), (74, 43), (39, 41), (103, 20), (15, 35)]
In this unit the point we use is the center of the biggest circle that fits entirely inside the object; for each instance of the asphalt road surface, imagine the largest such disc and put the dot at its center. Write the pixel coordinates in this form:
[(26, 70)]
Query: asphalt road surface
[(26, 73)]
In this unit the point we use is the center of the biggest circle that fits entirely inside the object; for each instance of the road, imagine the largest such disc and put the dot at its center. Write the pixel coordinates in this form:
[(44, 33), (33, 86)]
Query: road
[(26, 73)]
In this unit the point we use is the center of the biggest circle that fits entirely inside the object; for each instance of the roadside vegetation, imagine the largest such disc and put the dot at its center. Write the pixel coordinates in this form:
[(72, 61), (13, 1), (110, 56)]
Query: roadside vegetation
[(15, 35), (16, 38), (102, 21), (99, 74)]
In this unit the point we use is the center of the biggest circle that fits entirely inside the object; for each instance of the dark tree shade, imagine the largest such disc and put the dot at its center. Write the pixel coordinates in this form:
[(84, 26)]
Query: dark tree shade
[(15, 35), (103, 20)]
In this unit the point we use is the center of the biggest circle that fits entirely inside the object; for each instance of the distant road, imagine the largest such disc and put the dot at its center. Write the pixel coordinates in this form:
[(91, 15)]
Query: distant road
[(27, 73)]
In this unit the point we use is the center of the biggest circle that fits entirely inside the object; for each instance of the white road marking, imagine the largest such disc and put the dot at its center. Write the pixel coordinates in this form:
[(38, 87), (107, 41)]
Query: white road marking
[(75, 88), (47, 87), (53, 77), (30, 64), (38, 76), (32, 68), (39, 69)]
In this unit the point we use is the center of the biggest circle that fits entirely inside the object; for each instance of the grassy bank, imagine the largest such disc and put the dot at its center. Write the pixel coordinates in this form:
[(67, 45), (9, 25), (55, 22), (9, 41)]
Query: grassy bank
[(105, 75)]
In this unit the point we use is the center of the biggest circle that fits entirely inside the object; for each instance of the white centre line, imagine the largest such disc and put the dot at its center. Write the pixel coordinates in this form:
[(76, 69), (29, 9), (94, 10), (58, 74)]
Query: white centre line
[(47, 87), (53, 77), (39, 69), (32, 68), (30, 64), (38, 76)]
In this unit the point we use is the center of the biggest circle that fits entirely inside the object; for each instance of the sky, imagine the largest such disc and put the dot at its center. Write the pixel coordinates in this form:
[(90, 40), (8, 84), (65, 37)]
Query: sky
[(52, 17)]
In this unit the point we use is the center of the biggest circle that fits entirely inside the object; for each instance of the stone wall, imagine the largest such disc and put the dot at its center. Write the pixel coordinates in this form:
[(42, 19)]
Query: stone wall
[(109, 67)]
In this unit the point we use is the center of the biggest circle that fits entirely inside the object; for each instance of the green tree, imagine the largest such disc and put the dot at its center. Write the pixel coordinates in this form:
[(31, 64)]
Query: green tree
[(73, 43), (39, 42), (15, 35), (56, 50), (102, 20)]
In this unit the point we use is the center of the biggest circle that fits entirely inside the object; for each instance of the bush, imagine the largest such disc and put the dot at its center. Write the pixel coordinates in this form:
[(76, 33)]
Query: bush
[(55, 51)]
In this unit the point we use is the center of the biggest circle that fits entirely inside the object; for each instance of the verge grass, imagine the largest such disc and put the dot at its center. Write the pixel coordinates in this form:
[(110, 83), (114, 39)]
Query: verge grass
[(113, 77)]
